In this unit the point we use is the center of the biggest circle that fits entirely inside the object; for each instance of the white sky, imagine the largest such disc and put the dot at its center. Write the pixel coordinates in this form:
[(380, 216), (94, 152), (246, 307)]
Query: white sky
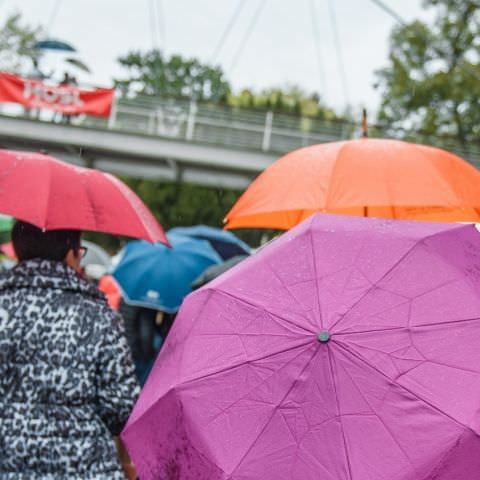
[(281, 48)]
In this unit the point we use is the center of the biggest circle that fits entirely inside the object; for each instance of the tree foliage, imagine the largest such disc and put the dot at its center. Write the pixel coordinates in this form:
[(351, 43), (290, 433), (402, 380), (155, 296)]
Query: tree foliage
[(16, 43), (432, 83), (290, 100), (151, 73)]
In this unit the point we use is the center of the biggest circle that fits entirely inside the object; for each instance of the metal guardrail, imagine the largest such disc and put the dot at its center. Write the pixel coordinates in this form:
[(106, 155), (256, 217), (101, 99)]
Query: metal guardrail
[(230, 127), (241, 128)]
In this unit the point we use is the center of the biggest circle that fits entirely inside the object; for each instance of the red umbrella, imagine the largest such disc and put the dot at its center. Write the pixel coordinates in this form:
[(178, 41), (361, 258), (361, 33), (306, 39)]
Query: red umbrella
[(54, 195)]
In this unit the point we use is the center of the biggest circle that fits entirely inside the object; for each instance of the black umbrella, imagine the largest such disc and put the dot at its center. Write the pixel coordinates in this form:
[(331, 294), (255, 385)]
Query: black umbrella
[(216, 270)]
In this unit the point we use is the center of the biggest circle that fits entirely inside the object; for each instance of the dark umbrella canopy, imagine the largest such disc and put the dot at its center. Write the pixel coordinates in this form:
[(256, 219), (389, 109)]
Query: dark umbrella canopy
[(216, 270), (79, 64), (225, 243)]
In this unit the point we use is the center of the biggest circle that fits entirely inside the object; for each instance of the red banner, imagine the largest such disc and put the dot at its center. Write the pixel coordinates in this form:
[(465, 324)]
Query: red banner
[(66, 99)]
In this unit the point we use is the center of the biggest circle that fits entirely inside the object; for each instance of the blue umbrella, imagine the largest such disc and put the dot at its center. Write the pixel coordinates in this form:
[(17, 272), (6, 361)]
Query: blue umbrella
[(158, 277), (225, 243), (50, 44)]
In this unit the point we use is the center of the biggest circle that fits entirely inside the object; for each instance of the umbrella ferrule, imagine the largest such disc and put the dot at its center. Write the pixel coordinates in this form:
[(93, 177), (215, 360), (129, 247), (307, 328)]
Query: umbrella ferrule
[(323, 336)]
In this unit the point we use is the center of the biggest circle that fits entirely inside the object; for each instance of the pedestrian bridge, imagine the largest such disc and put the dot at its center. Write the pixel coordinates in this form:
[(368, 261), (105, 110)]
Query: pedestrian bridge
[(176, 140)]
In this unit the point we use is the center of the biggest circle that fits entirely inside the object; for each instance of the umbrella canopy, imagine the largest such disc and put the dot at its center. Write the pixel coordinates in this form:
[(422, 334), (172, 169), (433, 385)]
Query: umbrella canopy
[(366, 177), (226, 244), (51, 44), (110, 288), (346, 349), (216, 270), (154, 276), (53, 195), (76, 62)]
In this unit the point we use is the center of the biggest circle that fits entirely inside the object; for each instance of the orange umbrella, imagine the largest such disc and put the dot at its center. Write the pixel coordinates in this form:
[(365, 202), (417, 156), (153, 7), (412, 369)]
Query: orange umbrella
[(366, 177)]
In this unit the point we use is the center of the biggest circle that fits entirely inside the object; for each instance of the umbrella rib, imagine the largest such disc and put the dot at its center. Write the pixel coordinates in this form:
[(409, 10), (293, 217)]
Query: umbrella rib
[(267, 423), (47, 201), (252, 360), (379, 418), (217, 372), (285, 286), (393, 329), (261, 383), (316, 276), (375, 284), (334, 168), (406, 389), (90, 202), (446, 183), (438, 324), (386, 329), (261, 308), (332, 373)]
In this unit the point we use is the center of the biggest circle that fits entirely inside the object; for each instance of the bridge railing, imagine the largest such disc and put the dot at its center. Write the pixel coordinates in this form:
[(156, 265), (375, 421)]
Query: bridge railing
[(251, 129), (221, 125), (239, 128)]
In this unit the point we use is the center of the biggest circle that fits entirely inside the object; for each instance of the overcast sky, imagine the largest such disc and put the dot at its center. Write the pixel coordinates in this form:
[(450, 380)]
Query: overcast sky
[(281, 49)]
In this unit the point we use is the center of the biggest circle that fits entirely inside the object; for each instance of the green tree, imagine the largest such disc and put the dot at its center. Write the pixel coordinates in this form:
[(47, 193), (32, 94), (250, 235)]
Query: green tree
[(290, 100), (150, 73), (16, 43), (432, 82)]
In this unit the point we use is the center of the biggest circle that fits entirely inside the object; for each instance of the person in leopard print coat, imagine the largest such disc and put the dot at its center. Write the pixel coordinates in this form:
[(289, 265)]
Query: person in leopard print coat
[(67, 382)]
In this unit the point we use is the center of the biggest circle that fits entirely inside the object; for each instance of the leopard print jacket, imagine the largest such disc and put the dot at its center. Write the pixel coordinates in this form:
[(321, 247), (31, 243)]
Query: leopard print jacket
[(67, 383)]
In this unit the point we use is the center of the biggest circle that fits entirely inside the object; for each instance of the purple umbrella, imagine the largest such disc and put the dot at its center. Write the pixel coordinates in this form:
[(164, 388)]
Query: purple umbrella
[(348, 349)]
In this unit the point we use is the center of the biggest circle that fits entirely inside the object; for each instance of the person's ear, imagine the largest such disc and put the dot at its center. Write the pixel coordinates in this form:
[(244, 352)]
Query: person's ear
[(72, 259)]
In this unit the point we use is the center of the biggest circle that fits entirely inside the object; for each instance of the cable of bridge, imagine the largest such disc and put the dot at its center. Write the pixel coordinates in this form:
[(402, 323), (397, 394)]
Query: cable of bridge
[(230, 24), (161, 24), (339, 51), (153, 26), (52, 17), (316, 40), (247, 34)]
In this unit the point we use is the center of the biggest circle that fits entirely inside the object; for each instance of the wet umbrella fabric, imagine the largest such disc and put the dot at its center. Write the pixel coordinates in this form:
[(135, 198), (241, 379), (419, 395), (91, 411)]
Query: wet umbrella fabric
[(158, 277), (51, 194), (367, 177), (226, 244), (216, 270), (346, 349)]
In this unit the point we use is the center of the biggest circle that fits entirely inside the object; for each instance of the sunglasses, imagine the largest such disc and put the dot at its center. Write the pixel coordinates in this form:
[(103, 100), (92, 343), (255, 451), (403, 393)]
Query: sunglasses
[(82, 251)]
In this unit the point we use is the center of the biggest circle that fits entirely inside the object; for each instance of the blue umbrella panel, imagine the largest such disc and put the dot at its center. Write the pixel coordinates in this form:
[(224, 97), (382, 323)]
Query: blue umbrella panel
[(158, 277), (51, 44)]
